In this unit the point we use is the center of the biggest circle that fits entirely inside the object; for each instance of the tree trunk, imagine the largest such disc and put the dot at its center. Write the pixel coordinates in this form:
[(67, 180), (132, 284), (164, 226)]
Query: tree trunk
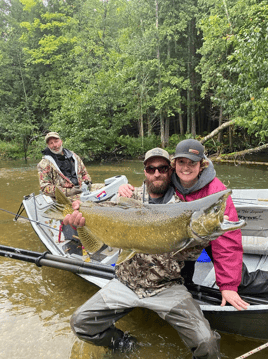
[(220, 123), (141, 129), (181, 122), (242, 153), (231, 147), (209, 117), (162, 129), (188, 128), (149, 125), (162, 124), (193, 120), (192, 77), (140, 123), (167, 125), (217, 130)]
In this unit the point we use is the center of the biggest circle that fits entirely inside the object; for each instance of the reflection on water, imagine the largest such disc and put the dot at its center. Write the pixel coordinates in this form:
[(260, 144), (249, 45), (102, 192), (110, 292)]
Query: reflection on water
[(36, 303)]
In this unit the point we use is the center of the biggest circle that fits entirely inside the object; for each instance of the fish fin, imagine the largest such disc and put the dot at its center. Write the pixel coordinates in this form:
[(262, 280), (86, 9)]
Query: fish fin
[(61, 198), (125, 255), (89, 240), (60, 208), (54, 212), (87, 204), (58, 211), (185, 245), (125, 202)]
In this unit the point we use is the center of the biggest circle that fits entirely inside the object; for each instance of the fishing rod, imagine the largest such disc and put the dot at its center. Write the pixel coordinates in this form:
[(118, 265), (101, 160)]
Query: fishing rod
[(28, 219), (65, 263)]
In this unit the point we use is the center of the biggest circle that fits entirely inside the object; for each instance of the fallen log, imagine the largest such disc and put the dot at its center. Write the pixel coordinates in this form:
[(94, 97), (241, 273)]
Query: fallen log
[(238, 162)]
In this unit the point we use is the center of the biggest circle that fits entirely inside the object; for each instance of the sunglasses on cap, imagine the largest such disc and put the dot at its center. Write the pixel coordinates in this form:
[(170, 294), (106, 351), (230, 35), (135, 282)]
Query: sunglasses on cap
[(161, 169)]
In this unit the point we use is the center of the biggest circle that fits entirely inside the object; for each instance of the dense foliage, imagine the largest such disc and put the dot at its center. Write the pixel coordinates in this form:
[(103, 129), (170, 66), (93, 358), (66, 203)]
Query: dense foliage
[(116, 77)]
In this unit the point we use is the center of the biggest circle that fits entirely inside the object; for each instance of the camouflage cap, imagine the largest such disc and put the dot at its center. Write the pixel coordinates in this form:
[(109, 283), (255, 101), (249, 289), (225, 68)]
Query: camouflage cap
[(156, 152), (50, 135)]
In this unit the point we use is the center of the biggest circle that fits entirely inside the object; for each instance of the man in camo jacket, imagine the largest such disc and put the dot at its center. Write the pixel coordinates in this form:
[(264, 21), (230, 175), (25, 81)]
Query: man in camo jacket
[(61, 168), (148, 281)]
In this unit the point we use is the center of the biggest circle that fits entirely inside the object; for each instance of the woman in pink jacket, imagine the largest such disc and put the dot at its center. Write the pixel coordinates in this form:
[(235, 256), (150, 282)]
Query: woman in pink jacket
[(195, 177)]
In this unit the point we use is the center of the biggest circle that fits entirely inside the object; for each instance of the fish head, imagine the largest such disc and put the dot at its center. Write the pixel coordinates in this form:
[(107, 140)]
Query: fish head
[(209, 222)]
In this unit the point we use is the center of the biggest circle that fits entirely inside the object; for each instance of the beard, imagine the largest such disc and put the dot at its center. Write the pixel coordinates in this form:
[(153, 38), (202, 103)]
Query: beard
[(58, 152), (162, 189)]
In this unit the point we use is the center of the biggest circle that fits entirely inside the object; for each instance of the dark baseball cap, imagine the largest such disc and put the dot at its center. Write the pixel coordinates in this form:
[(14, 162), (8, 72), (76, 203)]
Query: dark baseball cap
[(191, 149)]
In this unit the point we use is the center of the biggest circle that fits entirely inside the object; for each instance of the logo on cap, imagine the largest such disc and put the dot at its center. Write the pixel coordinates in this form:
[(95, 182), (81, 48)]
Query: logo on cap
[(157, 152), (196, 152)]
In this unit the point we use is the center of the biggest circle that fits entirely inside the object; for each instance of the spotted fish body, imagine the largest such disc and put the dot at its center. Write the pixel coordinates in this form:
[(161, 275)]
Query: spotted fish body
[(154, 229)]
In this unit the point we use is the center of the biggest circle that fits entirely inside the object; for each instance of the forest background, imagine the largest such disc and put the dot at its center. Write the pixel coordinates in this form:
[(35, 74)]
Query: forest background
[(118, 77)]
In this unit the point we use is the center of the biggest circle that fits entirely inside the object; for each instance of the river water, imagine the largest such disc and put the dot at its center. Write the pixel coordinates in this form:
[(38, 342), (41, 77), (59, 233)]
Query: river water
[(36, 303)]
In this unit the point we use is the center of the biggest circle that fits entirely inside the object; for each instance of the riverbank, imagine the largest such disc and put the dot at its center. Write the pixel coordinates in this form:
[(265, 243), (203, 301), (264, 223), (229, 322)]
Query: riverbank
[(133, 149)]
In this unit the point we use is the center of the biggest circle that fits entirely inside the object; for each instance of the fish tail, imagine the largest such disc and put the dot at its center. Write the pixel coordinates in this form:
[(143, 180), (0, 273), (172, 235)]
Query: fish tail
[(91, 242), (60, 208), (61, 198)]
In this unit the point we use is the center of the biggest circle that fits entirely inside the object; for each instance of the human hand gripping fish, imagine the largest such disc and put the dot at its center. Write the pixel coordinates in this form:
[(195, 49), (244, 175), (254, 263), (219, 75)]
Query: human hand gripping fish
[(75, 219)]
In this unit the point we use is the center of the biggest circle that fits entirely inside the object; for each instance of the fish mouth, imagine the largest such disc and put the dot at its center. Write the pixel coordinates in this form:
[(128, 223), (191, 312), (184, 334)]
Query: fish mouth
[(225, 226), (231, 226), (209, 223)]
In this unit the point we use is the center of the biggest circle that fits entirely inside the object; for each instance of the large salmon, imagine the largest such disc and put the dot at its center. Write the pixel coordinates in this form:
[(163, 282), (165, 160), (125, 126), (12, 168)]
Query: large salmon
[(136, 227)]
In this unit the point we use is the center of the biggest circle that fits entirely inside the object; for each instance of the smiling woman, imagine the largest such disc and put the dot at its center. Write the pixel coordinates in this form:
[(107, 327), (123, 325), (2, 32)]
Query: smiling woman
[(192, 182), (188, 171)]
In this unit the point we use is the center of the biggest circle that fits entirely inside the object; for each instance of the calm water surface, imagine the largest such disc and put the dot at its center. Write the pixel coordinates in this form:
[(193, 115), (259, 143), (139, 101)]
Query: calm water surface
[(36, 303)]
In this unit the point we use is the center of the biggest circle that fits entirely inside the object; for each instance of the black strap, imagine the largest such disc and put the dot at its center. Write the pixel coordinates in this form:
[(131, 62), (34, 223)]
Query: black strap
[(37, 261)]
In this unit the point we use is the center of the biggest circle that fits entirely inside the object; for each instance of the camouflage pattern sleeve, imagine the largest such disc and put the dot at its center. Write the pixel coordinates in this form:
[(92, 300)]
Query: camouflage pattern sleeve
[(46, 181), (138, 193)]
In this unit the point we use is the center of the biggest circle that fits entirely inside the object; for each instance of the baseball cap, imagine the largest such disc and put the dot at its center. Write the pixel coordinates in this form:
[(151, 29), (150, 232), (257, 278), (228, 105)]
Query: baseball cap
[(51, 134), (156, 152), (191, 149)]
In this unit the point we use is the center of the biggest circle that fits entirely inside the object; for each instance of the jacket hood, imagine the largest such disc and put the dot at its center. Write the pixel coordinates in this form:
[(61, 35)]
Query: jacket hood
[(206, 176)]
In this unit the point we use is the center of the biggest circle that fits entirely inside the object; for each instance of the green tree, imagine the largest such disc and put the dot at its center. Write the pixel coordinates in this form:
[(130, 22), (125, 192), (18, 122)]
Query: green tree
[(18, 97), (233, 64)]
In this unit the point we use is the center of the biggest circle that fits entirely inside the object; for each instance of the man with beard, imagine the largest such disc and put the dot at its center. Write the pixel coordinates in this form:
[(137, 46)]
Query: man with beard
[(62, 168), (150, 281)]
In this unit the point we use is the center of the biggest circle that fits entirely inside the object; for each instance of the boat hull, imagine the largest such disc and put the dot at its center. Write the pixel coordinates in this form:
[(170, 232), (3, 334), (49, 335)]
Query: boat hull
[(250, 323)]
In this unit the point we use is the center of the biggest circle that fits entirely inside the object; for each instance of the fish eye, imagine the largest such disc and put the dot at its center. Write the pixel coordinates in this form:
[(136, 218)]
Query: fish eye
[(214, 209)]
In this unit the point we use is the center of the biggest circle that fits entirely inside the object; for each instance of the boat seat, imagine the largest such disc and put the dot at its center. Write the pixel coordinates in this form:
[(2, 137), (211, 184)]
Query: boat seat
[(255, 251)]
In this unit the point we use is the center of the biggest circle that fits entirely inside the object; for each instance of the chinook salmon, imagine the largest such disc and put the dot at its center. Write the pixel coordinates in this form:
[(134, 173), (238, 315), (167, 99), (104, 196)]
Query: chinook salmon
[(149, 228)]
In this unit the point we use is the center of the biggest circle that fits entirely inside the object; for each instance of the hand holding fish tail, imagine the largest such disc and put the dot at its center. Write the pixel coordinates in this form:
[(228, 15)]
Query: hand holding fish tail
[(75, 219), (233, 298), (126, 190)]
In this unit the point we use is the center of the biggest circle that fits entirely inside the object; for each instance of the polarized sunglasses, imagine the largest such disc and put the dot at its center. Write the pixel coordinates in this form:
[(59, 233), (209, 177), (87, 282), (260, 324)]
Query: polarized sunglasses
[(161, 169)]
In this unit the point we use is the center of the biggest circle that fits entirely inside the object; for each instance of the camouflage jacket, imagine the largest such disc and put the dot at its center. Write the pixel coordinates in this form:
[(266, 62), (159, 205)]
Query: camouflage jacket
[(51, 176), (149, 274)]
